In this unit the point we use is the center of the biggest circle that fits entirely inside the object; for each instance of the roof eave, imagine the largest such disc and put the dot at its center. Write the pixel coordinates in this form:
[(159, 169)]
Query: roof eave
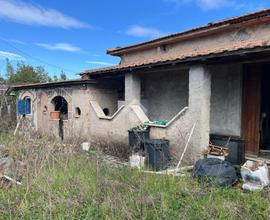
[(195, 32), (50, 85)]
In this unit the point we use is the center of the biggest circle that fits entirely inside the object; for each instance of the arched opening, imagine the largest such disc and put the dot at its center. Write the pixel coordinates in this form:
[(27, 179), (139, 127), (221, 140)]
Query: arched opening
[(106, 111), (61, 105)]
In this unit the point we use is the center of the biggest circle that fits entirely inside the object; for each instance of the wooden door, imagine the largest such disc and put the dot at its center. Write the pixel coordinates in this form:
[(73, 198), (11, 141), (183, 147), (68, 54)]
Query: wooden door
[(251, 107)]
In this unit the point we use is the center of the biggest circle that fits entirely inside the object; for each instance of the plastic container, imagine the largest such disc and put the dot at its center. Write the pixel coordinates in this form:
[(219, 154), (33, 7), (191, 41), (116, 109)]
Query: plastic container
[(137, 139), (137, 161), (158, 153), (86, 146), (236, 147), (55, 115)]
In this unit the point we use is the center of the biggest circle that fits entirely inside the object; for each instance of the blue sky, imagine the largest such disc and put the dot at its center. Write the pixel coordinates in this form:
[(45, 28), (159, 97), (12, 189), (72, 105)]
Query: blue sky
[(74, 35)]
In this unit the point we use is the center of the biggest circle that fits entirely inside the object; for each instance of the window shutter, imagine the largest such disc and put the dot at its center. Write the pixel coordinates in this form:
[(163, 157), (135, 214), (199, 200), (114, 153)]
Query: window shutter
[(21, 107)]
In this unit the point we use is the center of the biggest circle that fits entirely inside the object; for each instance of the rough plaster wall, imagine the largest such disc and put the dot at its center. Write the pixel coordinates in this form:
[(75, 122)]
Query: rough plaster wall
[(198, 112), (225, 39), (114, 131), (76, 96), (107, 98), (29, 123), (132, 88), (226, 100), (165, 93)]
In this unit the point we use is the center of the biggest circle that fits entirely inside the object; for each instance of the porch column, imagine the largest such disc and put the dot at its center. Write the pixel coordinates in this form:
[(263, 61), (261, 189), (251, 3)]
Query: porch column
[(199, 107), (132, 88)]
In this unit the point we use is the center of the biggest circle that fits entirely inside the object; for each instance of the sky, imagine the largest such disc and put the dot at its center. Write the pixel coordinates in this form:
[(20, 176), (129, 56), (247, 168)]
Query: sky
[(73, 35)]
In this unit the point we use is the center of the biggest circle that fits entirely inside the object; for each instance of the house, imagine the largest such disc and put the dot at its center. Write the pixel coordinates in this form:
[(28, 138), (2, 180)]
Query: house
[(215, 76)]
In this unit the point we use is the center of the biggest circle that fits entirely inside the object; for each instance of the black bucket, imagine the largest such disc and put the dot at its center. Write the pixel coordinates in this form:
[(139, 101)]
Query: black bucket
[(158, 153), (236, 146), (137, 139)]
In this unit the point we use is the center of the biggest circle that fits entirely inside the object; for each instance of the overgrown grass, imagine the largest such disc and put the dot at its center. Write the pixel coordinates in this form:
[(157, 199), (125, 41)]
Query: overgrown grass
[(61, 182)]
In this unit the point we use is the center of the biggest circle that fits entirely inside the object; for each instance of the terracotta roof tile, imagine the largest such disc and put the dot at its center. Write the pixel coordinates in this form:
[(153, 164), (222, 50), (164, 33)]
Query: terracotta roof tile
[(181, 56)]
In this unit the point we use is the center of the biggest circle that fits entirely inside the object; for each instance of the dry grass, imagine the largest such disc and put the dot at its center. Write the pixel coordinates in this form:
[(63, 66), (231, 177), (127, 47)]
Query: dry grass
[(61, 182)]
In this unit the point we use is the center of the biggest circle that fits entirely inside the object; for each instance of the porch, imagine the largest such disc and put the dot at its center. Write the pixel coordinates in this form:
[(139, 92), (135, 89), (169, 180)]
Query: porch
[(216, 96)]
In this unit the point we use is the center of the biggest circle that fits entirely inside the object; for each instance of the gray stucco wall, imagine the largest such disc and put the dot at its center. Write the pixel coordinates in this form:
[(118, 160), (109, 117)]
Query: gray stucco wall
[(76, 96), (226, 100), (165, 93)]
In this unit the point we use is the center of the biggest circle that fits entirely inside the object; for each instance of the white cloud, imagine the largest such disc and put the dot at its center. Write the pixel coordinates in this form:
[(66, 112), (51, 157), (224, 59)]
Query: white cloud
[(10, 56), (101, 63), (140, 31), (26, 13), (17, 41), (217, 4), (59, 46), (12, 40)]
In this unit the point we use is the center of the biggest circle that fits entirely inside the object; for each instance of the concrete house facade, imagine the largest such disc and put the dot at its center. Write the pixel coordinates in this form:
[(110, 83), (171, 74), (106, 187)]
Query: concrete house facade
[(215, 76)]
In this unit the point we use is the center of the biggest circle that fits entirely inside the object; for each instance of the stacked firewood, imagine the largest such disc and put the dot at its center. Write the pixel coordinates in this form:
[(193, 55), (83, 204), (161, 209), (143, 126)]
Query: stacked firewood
[(217, 150)]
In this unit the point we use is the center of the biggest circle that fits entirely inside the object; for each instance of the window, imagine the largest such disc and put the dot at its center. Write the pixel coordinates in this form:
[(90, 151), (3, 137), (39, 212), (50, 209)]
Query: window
[(78, 112), (106, 111), (24, 106)]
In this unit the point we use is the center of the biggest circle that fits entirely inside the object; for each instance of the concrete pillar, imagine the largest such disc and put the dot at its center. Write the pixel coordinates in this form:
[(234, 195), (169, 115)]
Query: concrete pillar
[(132, 88), (199, 107)]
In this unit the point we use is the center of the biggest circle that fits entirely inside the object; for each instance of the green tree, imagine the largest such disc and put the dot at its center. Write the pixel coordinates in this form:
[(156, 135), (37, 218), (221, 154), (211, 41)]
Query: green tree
[(63, 76), (55, 78), (9, 69), (25, 73)]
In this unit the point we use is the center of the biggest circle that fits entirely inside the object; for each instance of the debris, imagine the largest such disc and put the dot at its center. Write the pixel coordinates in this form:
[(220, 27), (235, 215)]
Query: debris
[(141, 127), (217, 150), (135, 160), (214, 156), (86, 146), (185, 148), (10, 179), (6, 165), (18, 125), (255, 175), (160, 122), (183, 171), (218, 171)]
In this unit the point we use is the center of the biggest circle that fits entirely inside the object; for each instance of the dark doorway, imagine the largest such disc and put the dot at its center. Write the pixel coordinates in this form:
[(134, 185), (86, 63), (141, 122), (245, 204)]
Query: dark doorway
[(265, 109), (61, 105)]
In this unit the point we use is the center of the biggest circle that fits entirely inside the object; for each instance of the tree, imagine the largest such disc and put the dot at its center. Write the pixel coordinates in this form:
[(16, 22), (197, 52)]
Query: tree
[(63, 76), (55, 78), (9, 69), (25, 73)]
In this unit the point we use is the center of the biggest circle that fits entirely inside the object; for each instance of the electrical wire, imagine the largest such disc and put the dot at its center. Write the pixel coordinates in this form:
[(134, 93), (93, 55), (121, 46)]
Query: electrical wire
[(37, 59)]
